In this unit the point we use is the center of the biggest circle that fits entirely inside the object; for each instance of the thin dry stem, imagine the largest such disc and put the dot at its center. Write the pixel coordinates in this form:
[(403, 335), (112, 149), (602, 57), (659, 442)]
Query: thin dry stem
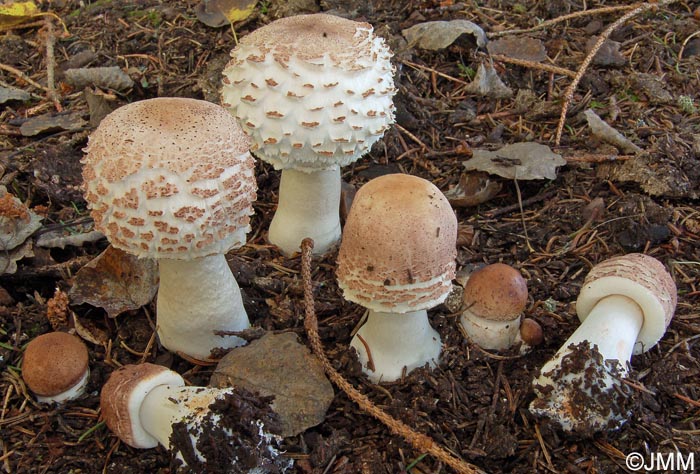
[(534, 65), (569, 93), (419, 441)]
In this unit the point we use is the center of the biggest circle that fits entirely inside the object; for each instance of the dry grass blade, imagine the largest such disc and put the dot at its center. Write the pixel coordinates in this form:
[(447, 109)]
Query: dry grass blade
[(419, 441)]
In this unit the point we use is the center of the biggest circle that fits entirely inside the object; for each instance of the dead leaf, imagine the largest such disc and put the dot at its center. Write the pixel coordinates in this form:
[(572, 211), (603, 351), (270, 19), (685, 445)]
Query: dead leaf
[(104, 77), (487, 83), (605, 132), (9, 259), (473, 189), (218, 13), (436, 35), (523, 161), (527, 49), (609, 53), (89, 332), (12, 93), (14, 13), (72, 121), (17, 221), (98, 104), (116, 281)]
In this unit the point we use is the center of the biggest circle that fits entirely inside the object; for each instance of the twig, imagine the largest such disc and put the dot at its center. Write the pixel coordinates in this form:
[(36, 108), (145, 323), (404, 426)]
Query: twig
[(534, 65), (419, 441), (51, 65), (554, 21), (569, 93), (22, 76)]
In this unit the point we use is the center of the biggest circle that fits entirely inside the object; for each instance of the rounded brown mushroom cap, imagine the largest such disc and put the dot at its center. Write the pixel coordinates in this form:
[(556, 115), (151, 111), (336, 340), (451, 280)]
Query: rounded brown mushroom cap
[(313, 91), (641, 278), (170, 178), (122, 395), (399, 245), (497, 292), (53, 363)]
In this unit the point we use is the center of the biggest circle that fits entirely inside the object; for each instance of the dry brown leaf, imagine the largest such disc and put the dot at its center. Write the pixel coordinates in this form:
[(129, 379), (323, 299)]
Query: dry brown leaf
[(116, 281)]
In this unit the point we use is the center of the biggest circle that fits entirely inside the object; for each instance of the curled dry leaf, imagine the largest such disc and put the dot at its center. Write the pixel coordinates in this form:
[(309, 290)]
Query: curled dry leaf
[(436, 35), (104, 77), (487, 83), (605, 132), (218, 13), (52, 123), (523, 161), (12, 93), (89, 332), (17, 221), (527, 49), (116, 281), (473, 189)]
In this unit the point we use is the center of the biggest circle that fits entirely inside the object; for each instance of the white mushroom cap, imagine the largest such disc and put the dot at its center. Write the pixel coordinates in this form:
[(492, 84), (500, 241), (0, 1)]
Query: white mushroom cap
[(641, 278), (313, 91), (170, 178), (122, 397), (55, 367), (496, 292), (399, 245)]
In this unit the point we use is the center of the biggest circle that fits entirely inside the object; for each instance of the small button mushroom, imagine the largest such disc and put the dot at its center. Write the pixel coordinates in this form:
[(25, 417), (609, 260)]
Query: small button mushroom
[(55, 367), (146, 405), (625, 305), (315, 93), (494, 298), (172, 179), (397, 259)]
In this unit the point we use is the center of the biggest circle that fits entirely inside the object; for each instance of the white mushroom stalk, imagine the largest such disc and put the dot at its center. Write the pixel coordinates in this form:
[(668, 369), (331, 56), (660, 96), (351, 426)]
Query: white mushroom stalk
[(314, 92), (147, 405), (625, 305), (397, 258), (172, 179), (391, 344), (308, 205)]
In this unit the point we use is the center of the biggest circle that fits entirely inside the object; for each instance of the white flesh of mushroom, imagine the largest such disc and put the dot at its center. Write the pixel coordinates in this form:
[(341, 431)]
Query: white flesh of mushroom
[(197, 298), (166, 405), (395, 341), (71, 394), (488, 333), (308, 207)]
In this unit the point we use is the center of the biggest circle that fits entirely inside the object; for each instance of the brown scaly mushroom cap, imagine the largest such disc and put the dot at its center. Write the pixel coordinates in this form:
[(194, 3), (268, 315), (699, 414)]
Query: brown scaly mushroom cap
[(496, 292), (399, 245), (170, 178), (122, 396), (313, 91), (54, 363), (641, 278)]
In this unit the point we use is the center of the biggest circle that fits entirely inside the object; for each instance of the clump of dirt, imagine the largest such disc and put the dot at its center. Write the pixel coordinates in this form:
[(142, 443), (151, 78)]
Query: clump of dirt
[(236, 436)]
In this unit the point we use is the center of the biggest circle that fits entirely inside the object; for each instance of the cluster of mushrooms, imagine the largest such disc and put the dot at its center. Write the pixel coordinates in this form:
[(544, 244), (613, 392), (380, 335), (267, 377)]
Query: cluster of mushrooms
[(173, 179)]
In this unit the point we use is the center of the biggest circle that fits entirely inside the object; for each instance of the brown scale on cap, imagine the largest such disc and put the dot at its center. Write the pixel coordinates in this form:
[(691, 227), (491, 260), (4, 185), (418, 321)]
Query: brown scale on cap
[(53, 363), (401, 230), (497, 292), (174, 158)]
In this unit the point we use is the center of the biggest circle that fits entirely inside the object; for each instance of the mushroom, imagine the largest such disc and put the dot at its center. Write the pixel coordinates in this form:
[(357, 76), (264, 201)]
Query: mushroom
[(397, 259), (55, 367), (172, 179), (315, 93), (494, 298), (147, 404), (625, 305)]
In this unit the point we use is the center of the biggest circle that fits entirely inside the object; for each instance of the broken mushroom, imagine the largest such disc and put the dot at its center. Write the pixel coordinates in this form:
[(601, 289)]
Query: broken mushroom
[(55, 367), (172, 179), (494, 298), (397, 259), (625, 305), (315, 93), (146, 405)]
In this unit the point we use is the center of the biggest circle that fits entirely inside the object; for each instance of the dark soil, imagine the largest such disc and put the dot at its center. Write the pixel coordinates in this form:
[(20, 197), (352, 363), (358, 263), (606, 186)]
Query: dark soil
[(475, 403)]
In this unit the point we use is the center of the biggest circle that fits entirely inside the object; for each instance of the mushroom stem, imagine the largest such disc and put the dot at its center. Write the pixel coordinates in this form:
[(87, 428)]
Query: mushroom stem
[(166, 405), (396, 341), (488, 333), (308, 207), (197, 298), (71, 394), (612, 326)]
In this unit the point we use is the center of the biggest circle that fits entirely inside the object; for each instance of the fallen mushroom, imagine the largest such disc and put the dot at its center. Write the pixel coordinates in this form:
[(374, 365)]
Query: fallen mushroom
[(625, 305), (55, 366), (315, 93), (397, 259), (172, 179), (494, 298), (209, 429)]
